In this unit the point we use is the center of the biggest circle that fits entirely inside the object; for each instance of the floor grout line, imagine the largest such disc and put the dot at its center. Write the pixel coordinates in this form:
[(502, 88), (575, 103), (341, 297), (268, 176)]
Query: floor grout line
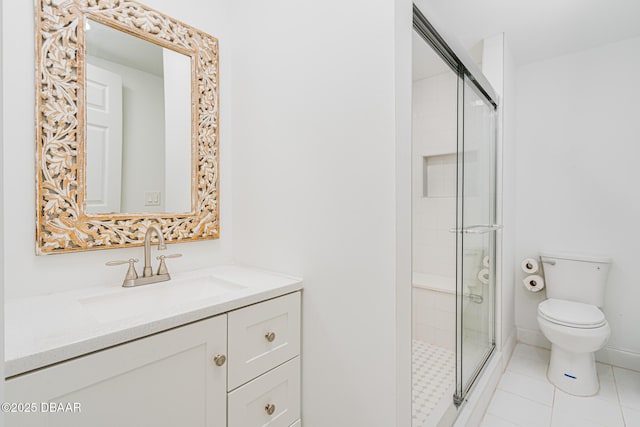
[(615, 382), (535, 377), (504, 419), (557, 410), (553, 404)]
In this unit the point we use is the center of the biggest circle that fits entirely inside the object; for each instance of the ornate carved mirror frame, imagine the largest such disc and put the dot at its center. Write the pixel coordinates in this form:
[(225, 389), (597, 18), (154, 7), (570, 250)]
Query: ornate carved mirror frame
[(63, 225)]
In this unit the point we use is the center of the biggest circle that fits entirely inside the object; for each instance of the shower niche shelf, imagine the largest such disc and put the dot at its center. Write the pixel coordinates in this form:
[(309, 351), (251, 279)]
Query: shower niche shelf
[(439, 175)]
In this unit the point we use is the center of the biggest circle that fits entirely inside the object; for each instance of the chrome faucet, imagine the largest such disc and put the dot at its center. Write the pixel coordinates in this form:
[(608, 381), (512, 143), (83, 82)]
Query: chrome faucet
[(131, 279)]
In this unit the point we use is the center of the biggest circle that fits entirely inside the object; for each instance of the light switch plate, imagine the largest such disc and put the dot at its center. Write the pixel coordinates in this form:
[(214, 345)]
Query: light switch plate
[(152, 198)]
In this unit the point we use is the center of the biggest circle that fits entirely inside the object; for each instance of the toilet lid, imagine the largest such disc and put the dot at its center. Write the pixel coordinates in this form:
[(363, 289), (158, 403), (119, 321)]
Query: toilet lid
[(570, 313)]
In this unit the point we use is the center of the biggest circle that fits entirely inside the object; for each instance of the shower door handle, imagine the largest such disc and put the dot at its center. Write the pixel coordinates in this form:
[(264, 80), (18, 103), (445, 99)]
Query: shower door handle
[(477, 229)]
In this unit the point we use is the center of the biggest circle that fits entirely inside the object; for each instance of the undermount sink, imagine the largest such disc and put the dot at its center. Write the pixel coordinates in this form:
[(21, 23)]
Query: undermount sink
[(144, 300)]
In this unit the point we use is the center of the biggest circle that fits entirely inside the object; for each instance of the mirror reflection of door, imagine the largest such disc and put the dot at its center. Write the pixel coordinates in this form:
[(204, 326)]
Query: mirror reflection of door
[(156, 108), (104, 140)]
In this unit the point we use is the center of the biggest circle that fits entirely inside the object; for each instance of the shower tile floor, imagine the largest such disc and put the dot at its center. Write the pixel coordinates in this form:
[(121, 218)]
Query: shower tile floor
[(433, 370)]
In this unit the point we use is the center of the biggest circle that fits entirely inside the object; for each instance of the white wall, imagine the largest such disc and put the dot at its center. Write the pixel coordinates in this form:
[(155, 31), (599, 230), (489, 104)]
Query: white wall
[(435, 126), (143, 136), (403, 123), (499, 68), (577, 177), (177, 120), (508, 210), (315, 187), (27, 274), (2, 180), (434, 317)]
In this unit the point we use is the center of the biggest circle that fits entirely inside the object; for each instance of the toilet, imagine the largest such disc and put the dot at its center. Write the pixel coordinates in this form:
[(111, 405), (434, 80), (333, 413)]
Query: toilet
[(571, 319)]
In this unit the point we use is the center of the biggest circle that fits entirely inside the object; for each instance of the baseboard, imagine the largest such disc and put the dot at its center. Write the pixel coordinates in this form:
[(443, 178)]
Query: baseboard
[(621, 358), (533, 337), (507, 348), (608, 355)]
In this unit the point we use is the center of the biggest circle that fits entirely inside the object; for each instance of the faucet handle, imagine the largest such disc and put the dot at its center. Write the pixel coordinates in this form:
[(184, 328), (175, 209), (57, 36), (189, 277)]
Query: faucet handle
[(169, 256), (121, 261), (131, 275), (162, 268)]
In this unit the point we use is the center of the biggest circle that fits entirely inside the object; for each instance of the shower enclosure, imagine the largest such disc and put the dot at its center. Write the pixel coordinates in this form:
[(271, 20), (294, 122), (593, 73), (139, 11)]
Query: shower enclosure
[(453, 226)]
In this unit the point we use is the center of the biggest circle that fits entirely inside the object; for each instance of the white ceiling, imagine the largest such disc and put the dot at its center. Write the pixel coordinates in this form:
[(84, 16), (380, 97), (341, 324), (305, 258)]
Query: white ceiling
[(119, 47), (539, 29)]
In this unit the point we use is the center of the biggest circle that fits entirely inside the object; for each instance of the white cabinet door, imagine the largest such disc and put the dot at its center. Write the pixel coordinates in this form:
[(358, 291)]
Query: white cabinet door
[(263, 336), (272, 399), (168, 379)]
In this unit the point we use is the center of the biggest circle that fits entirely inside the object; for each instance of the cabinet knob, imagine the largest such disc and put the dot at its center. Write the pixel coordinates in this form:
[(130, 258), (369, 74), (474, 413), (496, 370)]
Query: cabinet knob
[(270, 408), (270, 336), (219, 359)]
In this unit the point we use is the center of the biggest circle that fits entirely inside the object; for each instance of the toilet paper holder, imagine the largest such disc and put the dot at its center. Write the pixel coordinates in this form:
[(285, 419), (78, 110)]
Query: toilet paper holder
[(548, 261)]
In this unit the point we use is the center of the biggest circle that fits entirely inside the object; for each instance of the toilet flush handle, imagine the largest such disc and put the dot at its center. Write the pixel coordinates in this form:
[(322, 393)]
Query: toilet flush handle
[(549, 261)]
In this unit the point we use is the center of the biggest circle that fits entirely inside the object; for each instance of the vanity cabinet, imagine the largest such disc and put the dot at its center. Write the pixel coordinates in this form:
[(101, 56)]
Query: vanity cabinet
[(240, 369), (161, 380), (264, 364), (263, 336), (272, 399)]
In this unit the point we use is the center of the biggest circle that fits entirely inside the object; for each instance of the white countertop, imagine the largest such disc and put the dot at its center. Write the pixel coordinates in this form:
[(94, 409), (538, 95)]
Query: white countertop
[(47, 329)]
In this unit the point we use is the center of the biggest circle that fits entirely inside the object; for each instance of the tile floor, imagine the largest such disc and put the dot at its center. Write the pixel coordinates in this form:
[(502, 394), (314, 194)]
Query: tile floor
[(525, 397), (433, 378)]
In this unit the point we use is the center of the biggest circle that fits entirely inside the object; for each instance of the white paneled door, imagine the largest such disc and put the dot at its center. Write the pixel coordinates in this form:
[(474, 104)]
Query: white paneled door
[(104, 140)]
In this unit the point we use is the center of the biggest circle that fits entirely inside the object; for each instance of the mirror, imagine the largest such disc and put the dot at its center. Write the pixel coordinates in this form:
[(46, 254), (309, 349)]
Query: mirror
[(138, 156), (126, 126)]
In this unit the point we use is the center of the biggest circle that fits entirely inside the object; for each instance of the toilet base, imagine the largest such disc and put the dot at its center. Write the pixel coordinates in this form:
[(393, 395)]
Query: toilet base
[(574, 373)]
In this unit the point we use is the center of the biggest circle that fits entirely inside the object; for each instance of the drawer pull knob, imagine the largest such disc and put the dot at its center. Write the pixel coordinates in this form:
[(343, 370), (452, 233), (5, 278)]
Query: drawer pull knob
[(270, 336), (270, 408), (219, 359)]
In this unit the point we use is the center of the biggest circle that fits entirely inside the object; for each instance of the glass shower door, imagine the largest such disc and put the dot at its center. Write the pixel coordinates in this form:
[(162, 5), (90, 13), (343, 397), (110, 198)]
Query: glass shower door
[(476, 235)]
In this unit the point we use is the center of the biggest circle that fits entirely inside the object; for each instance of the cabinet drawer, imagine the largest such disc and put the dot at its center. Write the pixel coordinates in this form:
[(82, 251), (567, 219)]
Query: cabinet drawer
[(271, 400), (261, 337)]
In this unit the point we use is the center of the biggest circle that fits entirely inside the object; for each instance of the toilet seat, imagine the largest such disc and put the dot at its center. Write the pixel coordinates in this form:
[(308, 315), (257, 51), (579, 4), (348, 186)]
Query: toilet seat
[(572, 314)]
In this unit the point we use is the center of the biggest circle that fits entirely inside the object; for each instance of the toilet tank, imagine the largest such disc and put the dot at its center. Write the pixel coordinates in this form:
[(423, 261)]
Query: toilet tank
[(575, 277)]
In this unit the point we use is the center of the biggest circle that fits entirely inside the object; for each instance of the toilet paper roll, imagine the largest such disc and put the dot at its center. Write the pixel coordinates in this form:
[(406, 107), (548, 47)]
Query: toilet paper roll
[(483, 276), (534, 283), (529, 265), (485, 261)]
